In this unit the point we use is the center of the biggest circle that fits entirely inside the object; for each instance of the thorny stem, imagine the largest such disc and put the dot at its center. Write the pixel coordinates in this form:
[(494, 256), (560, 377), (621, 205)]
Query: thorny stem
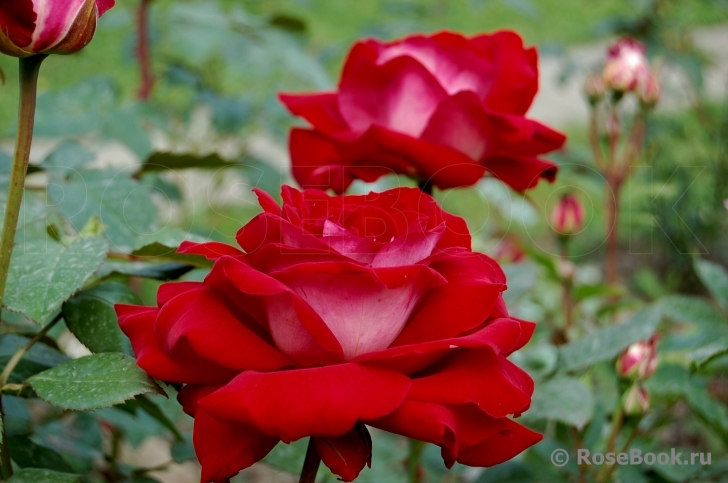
[(143, 51), (29, 68), (310, 464)]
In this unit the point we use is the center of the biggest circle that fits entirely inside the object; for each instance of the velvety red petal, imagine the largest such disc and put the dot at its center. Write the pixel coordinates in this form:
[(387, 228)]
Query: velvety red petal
[(499, 335), (522, 173), (364, 308), (295, 327), (527, 330), (315, 162), (321, 401), (475, 283), (205, 320), (500, 447), (346, 455), (521, 137), (514, 82), (450, 58), (17, 21), (492, 382), (138, 324), (267, 228), (224, 448), (442, 166), (320, 109), (190, 395), (169, 290), (399, 94), (267, 202), (209, 250), (460, 122), (409, 248)]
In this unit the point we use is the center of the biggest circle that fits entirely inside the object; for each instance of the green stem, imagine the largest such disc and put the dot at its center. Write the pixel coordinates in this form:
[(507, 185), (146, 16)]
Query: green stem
[(29, 68), (413, 462), (310, 464)]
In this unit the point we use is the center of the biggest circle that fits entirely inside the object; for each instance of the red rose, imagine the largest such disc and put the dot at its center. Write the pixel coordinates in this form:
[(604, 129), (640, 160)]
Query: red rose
[(29, 27), (443, 109), (340, 312)]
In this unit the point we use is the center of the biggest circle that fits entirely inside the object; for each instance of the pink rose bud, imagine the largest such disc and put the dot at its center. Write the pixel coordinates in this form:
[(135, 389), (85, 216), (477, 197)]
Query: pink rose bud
[(639, 361), (626, 65), (594, 88), (567, 217), (30, 27), (636, 401), (649, 91)]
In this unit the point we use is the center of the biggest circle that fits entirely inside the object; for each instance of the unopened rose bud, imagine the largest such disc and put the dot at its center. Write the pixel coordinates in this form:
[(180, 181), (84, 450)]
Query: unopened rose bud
[(649, 91), (567, 217), (30, 27), (626, 65), (639, 361), (636, 401), (594, 88)]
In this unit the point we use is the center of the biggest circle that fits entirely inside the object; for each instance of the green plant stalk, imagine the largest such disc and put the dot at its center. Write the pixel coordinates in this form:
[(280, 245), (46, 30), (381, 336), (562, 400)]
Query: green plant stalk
[(413, 462), (310, 464), (29, 68)]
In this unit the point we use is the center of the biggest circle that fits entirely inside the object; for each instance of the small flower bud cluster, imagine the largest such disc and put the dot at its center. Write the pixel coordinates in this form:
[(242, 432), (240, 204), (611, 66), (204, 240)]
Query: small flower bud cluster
[(567, 217), (626, 70), (637, 363)]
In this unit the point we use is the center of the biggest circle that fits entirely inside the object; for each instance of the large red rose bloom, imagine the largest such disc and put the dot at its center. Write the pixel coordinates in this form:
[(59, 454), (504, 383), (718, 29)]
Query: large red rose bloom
[(341, 312), (444, 109)]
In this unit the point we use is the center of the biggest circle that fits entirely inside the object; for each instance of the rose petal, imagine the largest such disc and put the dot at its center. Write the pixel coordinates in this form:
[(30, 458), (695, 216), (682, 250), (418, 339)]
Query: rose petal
[(203, 318), (56, 18), (267, 202), (104, 6), (500, 447), (321, 401), (209, 250), (364, 308), (320, 109), (296, 328), (346, 455), (169, 290), (17, 21), (400, 94), (522, 173), (186, 367), (479, 376)]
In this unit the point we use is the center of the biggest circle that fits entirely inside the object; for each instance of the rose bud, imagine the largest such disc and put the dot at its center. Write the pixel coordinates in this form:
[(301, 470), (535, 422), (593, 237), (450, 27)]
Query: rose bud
[(626, 65), (567, 216), (30, 27), (636, 401), (594, 88), (444, 109), (337, 313), (639, 361), (649, 91)]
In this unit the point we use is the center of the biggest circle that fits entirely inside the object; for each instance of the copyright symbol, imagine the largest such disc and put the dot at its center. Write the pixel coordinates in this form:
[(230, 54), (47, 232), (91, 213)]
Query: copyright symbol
[(559, 457)]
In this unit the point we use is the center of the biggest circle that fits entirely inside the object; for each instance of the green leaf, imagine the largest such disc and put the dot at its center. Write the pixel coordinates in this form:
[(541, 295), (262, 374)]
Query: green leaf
[(93, 382), (36, 475), (17, 416), (164, 245), (173, 161), (26, 454), (39, 358), (695, 310), (90, 315), (715, 279), (708, 352), (563, 399), (521, 278), (121, 204), (45, 274), (609, 342), (156, 271), (68, 157), (152, 409)]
